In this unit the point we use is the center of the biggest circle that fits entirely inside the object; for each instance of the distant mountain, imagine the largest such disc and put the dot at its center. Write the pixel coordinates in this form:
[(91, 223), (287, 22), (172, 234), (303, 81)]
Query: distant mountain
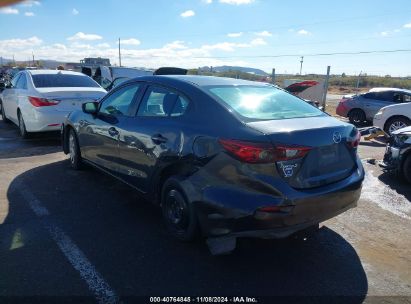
[(226, 68)]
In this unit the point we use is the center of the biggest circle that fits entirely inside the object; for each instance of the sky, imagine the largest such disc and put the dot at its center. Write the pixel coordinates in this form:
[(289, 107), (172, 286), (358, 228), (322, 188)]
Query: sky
[(262, 34)]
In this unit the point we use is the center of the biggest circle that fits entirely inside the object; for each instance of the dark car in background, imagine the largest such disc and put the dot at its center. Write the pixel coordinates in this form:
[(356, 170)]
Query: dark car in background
[(224, 158), (363, 107)]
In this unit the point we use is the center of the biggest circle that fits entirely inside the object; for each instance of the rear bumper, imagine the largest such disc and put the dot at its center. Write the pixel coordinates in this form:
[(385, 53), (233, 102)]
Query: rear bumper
[(43, 121), (342, 110), (235, 212)]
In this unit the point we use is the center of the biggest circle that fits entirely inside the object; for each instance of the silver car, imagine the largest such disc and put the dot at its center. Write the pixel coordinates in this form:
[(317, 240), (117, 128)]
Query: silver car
[(363, 107), (39, 100)]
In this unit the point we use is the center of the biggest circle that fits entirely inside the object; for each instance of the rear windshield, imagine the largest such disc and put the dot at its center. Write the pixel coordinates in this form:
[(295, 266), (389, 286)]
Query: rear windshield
[(263, 103), (63, 80)]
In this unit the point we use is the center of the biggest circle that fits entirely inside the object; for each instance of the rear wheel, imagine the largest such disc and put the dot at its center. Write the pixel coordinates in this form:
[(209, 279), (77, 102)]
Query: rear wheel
[(406, 169), (3, 113), (396, 123), (179, 215), (22, 127), (74, 151), (357, 117)]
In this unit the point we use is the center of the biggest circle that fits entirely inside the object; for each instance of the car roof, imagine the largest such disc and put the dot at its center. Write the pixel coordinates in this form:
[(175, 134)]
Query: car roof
[(390, 89), (203, 81), (51, 72)]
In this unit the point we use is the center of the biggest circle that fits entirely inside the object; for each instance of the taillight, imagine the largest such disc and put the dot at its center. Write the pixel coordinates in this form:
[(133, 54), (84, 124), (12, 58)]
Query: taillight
[(354, 141), (42, 102), (251, 152)]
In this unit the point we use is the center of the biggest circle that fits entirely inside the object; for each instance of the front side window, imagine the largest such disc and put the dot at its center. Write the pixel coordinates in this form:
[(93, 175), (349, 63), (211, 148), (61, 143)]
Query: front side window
[(160, 102), (119, 102), (15, 80), (61, 80), (263, 102)]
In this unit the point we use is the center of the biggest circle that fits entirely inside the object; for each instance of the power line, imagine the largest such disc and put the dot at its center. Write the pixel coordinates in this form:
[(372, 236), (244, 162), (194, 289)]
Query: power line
[(305, 55)]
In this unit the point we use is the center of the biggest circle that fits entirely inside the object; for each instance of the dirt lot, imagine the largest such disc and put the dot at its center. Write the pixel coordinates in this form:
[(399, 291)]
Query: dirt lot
[(65, 233)]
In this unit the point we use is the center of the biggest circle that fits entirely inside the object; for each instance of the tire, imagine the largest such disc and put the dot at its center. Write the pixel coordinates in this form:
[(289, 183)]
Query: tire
[(357, 117), (22, 127), (406, 169), (179, 215), (396, 123), (74, 151), (3, 113)]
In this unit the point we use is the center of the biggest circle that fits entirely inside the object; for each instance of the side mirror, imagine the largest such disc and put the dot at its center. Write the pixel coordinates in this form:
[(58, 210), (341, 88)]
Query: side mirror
[(90, 107)]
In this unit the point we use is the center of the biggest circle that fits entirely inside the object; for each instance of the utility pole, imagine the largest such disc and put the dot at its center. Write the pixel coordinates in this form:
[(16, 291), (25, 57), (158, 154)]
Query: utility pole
[(32, 53), (273, 77), (119, 52), (358, 81), (14, 61), (326, 87), (301, 64)]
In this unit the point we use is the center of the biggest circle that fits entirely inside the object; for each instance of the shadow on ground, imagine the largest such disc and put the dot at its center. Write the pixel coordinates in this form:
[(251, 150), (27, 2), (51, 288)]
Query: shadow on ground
[(13, 146), (124, 238)]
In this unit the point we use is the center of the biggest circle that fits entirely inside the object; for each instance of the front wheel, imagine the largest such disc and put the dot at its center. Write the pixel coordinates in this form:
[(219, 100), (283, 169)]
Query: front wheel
[(178, 214), (74, 151), (396, 123), (3, 113)]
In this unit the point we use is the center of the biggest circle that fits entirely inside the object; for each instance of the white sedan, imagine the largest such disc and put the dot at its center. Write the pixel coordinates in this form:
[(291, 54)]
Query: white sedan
[(39, 100), (394, 117)]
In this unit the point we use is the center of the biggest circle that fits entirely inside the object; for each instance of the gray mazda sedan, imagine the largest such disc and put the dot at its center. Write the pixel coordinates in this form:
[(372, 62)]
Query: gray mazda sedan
[(224, 158)]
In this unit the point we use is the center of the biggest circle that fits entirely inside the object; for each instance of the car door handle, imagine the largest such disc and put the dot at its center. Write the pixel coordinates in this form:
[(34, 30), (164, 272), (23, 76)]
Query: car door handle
[(158, 139), (112, 131)]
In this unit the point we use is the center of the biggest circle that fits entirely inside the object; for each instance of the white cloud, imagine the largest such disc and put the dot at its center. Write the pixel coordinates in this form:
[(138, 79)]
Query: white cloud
[(303, 32), (103, 45), (59, 46), (176, 45), (18, 43), (258, 41), (188, 13), (384, 34), (9, 11), (235, 35), (29, 14), (237, 2), (75, 12), (131, 41), (264, 34), (82, 36), (408, 25), (30, 3), (208, 1)]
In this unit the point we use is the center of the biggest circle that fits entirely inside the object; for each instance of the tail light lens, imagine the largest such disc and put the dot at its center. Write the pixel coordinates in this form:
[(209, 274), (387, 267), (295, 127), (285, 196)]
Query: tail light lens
[(42, 102), (355, 140), (258, 153)]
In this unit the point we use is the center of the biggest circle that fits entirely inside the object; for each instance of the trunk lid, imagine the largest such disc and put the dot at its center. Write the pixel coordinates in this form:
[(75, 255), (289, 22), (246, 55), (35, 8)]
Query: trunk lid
[(71, 98), (330, 159)]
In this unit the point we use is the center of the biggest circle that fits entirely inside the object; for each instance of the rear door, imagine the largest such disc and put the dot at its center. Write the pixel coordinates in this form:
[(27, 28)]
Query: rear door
[(374, 101), (153, 138), (99, 136)]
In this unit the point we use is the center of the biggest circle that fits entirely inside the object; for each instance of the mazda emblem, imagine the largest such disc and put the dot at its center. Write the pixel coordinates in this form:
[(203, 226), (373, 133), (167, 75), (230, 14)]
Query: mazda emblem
[(337, 137)]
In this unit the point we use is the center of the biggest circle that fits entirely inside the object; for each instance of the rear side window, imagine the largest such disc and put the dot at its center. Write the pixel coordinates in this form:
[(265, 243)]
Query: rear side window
[(383, 96), (15, 80), (22, 82), (63, 80), (263, 102), (160, 102)]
